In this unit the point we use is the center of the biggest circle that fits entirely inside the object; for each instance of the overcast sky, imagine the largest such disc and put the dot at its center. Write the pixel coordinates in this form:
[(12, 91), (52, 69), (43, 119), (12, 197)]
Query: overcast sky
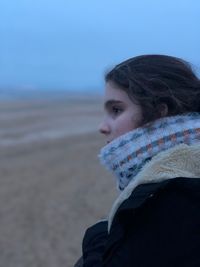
[(69, 44)]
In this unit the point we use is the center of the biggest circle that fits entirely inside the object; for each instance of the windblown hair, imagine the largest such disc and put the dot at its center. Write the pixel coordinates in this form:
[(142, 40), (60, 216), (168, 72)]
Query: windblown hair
[(154, 80)]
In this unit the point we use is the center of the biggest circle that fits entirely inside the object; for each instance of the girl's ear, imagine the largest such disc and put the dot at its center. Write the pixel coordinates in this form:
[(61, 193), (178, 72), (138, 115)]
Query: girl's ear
[(163, 108)]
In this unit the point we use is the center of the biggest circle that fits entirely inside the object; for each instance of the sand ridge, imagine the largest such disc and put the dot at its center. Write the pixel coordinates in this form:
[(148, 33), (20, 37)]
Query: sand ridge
[(51, 189)]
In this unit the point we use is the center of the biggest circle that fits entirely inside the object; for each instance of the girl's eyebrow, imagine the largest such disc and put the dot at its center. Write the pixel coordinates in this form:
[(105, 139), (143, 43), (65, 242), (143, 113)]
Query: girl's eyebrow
[(111, 102)]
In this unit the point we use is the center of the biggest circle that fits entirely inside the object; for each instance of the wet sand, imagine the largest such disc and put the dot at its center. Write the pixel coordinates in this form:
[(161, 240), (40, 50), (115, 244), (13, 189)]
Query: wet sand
[(52, 186)]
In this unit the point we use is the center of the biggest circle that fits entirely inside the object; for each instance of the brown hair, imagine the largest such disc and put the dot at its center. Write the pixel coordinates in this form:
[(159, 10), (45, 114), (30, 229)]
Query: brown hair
[(154, 80)]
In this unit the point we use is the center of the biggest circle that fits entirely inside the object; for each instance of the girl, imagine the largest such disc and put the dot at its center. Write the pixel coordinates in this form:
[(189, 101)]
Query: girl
[(152, 130)]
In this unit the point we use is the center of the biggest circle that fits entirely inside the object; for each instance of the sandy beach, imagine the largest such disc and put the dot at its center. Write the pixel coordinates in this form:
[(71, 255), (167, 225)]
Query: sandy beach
[(52, 186)]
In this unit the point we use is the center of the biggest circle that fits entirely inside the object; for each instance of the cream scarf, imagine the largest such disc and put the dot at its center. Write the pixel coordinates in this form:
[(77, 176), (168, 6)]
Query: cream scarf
[(127, 155)]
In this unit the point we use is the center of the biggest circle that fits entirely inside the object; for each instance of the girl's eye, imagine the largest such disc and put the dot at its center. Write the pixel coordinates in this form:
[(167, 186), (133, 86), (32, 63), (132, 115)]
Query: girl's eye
[(116, 110)]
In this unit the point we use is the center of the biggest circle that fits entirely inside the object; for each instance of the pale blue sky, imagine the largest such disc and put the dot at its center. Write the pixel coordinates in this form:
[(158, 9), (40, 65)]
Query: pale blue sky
[(69, 44)]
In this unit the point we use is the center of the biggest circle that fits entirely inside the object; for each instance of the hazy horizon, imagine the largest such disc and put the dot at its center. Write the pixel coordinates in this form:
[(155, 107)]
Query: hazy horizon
[(63, 45)]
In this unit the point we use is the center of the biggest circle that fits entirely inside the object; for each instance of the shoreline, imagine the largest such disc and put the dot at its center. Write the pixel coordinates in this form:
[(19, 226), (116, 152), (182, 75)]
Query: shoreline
[(39, 120), (50, 193), (52, 184)]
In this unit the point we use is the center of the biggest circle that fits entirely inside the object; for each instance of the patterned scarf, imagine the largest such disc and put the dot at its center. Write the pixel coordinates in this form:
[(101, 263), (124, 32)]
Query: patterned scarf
[(127, 154)]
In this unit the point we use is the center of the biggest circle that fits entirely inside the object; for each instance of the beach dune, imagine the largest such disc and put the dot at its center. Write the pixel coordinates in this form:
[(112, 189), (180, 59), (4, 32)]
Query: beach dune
[(52, 186)]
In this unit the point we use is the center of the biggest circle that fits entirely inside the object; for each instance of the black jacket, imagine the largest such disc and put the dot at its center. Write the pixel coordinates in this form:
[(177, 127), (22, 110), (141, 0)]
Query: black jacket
[(157, 226)]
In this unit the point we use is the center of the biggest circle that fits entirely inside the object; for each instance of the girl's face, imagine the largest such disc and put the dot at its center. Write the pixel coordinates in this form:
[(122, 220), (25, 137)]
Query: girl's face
[(121, 114)]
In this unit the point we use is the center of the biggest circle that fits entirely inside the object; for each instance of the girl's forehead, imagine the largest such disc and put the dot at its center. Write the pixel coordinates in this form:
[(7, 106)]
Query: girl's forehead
[(113, 92), (117, 95)]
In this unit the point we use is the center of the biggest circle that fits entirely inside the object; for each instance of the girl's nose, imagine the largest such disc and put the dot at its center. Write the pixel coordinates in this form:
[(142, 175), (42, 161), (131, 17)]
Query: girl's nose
[(104, 128)]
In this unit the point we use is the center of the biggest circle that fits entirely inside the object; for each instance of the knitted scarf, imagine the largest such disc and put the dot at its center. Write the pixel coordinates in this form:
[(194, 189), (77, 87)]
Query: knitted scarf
[(126, 155)]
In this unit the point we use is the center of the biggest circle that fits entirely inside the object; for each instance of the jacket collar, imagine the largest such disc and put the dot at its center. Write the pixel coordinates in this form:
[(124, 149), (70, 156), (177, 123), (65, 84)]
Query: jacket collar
[(180, 161)]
